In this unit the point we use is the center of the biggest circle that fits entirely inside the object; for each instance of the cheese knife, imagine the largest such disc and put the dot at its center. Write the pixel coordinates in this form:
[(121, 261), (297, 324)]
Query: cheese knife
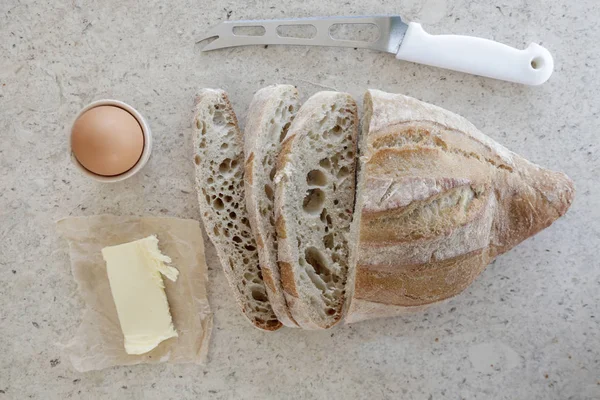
[(408, 41)]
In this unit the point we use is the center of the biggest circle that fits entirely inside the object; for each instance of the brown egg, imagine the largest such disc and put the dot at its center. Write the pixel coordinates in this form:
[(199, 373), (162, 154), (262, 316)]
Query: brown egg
[(107, 140)]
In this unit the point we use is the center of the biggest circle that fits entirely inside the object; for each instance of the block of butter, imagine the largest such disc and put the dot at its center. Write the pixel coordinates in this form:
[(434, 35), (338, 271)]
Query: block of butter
[(134, 272)]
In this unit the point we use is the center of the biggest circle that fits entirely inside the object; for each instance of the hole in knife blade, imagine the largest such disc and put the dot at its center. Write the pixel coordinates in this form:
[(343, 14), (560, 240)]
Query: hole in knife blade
[(248, 30), (303, 31), (356, 32)]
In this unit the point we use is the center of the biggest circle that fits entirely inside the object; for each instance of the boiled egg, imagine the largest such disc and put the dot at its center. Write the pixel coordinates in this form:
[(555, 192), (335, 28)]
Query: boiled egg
[(107, 140)]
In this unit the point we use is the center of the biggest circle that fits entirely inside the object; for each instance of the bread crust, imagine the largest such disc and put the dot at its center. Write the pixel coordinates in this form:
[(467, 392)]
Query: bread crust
[(440, 201)]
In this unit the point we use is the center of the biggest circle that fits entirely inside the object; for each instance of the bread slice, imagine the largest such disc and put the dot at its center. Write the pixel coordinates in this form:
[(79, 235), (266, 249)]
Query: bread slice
[(314, 202), (218, 148), (439, 201), (269, 118)]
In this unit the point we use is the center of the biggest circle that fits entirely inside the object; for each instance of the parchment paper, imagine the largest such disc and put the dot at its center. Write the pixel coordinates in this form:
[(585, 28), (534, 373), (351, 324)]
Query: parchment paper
[(98, 342)]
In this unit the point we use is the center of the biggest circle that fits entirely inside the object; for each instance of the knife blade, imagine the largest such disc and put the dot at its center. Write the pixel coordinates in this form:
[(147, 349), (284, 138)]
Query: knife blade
[(408, 41)]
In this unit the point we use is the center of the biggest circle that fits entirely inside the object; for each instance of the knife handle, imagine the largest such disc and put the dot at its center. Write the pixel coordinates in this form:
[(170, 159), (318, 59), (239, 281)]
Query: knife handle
[(473, 55)]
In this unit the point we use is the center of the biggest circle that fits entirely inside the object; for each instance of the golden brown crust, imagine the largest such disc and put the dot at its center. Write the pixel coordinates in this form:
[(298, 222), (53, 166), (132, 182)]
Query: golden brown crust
[(287, 278), (441, 200), (268, 278), (280, 227), (249, 171), (420, 284), (284, 153)]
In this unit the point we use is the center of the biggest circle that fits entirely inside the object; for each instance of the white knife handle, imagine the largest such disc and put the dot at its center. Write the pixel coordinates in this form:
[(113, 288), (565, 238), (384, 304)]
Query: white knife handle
[(472, 55)]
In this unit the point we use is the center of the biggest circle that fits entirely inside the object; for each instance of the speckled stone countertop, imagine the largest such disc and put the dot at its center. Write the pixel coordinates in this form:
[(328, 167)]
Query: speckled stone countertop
[(528, 328)]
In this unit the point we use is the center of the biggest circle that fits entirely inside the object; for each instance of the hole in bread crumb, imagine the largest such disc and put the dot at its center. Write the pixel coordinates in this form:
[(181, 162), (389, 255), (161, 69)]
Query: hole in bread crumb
[(269, 192), (216, 230), (228, 199), (323, 215), (210, 180), (197, 159), (335, 257), (335, 133), (330, 311), (249, 247), (237, 239), (316, 177), (225, 165), (343, 172), (202, 144), (224, 146), (336, 202), (199, 125), (328, 218), (328, 241), (272, 173), (232, 215), (218, 204), (313, 201), (325, 163), (230, 225), (350, 154), (259, 295), (208, 200), (219, 118), (315, 258)]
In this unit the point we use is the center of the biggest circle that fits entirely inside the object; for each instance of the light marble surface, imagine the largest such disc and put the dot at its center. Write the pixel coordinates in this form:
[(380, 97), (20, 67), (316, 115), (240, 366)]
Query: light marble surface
[(528, 328)]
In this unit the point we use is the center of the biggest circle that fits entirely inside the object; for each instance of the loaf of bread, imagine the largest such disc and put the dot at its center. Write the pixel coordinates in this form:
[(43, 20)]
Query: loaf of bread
[(429, 204), (219, 160), (314, 202), (438, 201), (269, 118)]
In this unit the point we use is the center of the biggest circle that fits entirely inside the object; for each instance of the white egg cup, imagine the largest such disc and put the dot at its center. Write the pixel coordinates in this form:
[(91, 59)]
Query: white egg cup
[(145, 151)]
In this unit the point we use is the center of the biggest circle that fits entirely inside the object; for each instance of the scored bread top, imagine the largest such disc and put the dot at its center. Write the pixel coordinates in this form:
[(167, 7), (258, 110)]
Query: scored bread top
[(314, 201), (219, 162), (439, 201), (269, 117)]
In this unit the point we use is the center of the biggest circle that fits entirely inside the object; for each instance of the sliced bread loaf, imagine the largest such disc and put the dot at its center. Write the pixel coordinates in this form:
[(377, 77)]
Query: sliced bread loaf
[(314, 201), (218, 148), (439, 201), (269, 117)]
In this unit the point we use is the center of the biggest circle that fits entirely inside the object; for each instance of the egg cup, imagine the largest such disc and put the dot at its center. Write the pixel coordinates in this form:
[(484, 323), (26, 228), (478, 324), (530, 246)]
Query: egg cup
[(145, 151)]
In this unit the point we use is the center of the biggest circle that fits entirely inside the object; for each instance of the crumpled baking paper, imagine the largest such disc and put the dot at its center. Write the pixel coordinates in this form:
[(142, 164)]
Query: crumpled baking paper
[(98, 342)]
